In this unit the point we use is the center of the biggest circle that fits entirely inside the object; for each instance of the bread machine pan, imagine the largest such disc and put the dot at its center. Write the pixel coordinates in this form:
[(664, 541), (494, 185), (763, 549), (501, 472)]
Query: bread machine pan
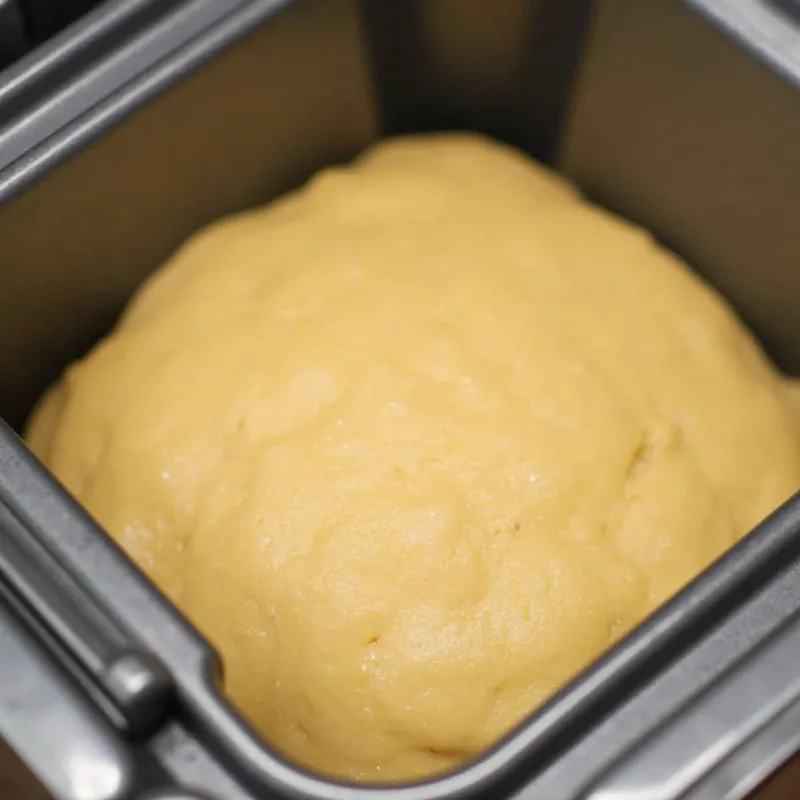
[(148, 120)]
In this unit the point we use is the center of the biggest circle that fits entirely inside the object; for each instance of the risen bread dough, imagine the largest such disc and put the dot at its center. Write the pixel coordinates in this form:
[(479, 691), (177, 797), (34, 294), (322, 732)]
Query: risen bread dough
[(416, 443)]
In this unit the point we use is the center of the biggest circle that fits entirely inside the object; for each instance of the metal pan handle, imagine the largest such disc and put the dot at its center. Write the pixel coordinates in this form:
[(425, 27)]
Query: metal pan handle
[(134, 686)]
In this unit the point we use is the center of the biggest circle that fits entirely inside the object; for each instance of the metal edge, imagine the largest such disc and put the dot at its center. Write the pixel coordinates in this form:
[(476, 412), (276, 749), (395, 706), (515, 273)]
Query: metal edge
[(43, 64), (768, 31), (148, 64)]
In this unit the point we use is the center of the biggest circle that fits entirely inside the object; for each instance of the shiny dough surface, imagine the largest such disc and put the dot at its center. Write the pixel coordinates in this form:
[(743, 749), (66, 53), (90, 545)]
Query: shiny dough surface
[(415, 443)]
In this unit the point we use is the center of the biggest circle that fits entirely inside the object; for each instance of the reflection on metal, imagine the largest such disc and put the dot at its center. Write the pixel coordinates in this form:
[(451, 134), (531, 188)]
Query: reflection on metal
[(725, 741)]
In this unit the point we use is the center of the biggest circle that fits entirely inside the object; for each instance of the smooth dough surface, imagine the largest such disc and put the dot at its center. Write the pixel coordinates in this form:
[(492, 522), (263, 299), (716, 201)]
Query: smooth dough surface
[(414, 444)]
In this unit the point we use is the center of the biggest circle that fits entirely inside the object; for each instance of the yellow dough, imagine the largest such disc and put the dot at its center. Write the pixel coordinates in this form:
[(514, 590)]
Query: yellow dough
[(416, 443)]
